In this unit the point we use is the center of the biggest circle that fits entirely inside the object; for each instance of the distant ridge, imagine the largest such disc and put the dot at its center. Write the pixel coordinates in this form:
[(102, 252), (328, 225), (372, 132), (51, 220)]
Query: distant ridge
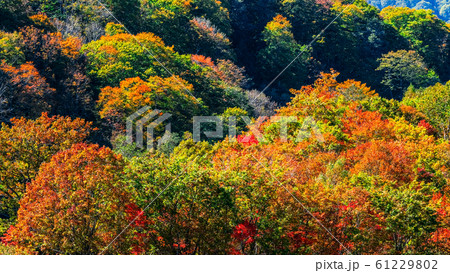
[(440, 7)]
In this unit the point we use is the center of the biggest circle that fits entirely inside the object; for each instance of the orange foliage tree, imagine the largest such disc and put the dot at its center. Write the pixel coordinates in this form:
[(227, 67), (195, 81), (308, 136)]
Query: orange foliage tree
[(60, 62), (117, 103), (23, 92), (25, 145), (370, 179), (75, 205)]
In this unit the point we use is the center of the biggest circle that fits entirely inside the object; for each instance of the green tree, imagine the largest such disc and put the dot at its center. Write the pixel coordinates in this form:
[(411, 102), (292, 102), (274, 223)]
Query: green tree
[(308, 17), (191, 216), (127, 12), (409, 218), (427, 34), (434, 102), (13, 14), (281, 48), (175, 22), (355, 40), (404, 68), (10, 50)]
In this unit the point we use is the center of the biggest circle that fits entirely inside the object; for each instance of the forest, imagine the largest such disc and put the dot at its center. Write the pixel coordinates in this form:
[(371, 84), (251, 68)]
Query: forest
[(361, 91)]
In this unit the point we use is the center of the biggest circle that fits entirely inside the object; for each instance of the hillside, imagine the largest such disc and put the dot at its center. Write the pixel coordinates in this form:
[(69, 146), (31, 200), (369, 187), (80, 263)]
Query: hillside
[(223, 127)]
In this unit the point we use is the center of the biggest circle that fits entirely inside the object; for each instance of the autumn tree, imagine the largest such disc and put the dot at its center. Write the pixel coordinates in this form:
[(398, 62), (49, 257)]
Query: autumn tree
[(223, 70), (84, 19), (410, 220), (117, 103), (119, 56), (24, 92), (270, 203), (362, 134), (389, 160), (75, 205), (24, 146), (59, 61), (367, 142), (43, 22)]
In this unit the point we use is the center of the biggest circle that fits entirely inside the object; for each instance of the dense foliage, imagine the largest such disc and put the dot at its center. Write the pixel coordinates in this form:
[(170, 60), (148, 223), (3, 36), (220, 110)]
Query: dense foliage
[(346, 151)]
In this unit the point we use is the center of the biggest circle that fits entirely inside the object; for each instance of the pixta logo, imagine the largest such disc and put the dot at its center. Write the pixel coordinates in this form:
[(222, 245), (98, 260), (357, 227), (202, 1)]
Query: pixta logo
[(145, 121), (150, 121)]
